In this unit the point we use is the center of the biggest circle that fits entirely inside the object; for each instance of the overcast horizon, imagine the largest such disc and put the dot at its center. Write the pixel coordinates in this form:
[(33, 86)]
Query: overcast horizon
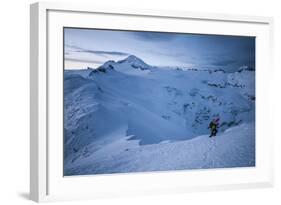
[(92, 47)]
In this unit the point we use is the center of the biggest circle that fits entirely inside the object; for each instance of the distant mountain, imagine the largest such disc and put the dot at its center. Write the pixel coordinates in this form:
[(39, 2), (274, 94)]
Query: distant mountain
[(131, 65), (135, 62), (245, 68)]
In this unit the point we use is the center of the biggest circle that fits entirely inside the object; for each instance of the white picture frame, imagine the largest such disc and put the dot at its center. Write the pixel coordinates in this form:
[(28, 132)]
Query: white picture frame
[(46, 178)]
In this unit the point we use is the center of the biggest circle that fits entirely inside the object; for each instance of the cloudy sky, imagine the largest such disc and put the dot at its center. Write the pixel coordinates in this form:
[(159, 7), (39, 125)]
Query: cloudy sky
[(92, 47)]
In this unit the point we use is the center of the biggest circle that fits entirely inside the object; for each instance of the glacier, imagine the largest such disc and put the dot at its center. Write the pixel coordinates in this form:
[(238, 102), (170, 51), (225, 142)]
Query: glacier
[(128, 116)]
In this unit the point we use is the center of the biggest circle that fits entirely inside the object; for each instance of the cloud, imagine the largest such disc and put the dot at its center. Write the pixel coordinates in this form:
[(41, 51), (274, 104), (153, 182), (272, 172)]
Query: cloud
[(97, 52), (83, 60), (153, 36), (223, 62), (105, 52), (170, 53)]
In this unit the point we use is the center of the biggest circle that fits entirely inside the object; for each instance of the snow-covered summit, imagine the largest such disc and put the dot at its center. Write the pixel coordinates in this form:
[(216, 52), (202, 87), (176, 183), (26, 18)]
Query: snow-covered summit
[(131, 65), (132, 59), (135, 62)]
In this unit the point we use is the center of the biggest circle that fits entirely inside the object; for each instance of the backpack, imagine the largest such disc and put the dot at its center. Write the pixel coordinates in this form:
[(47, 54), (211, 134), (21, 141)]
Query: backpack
[(212, 125)]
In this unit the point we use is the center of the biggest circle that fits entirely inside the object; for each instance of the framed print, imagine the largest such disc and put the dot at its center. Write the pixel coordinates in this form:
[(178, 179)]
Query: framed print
[(128, 102)]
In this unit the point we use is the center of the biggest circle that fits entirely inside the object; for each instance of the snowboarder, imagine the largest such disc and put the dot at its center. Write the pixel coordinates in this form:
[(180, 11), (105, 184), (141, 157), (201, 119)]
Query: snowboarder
[(214, 124)]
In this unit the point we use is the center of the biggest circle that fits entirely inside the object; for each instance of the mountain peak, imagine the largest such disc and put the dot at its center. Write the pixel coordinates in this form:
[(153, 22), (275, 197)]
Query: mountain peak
[(132, 58), (135, 62)]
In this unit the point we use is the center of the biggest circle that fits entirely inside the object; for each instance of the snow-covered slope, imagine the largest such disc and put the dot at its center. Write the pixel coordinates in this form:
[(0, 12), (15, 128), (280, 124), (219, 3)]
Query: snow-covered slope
[(137, 104), (233, 148)]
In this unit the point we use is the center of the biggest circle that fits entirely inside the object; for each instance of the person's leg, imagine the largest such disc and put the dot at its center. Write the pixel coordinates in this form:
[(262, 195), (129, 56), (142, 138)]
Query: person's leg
[(215, 132), (211, 133)]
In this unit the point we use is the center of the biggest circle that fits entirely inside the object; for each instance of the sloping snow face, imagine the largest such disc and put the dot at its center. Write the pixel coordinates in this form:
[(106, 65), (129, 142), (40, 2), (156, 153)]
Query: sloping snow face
[(128, 116), (233, 148)]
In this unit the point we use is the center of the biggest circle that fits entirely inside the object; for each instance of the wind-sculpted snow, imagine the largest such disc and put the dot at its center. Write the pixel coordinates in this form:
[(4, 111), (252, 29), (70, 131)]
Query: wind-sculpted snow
[(233, 148), (140, 105)]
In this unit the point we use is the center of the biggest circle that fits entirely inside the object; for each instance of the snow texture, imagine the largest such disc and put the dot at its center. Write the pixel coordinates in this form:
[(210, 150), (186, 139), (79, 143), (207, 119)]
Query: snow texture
[(128, 116)]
